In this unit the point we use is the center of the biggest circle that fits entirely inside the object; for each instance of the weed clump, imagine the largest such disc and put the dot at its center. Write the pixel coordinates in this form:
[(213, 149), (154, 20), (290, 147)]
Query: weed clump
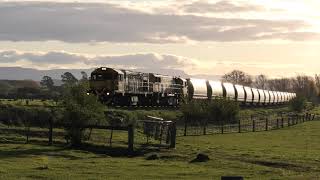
[(201, 157), (153, 156)]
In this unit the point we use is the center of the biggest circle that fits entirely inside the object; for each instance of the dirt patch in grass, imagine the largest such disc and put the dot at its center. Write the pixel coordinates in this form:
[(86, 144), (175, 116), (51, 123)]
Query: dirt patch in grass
[(281, 165)]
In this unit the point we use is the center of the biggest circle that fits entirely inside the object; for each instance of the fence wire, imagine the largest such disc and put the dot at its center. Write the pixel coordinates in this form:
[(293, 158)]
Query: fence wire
[(245, 124)]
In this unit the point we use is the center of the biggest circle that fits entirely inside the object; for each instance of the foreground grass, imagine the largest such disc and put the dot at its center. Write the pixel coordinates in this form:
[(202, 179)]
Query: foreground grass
[(290, 153)]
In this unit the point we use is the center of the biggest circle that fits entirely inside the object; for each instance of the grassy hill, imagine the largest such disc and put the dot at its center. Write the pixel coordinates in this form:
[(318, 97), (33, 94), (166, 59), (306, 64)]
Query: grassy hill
[(289, 153)]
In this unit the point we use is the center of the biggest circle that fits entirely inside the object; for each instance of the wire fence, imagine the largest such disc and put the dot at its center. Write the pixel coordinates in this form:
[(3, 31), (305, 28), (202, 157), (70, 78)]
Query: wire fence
[(254, 123)]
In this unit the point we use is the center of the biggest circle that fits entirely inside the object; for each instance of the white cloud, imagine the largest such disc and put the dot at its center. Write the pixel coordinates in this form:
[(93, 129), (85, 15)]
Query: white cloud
[(150, 62), (220, 6), (109, 22)]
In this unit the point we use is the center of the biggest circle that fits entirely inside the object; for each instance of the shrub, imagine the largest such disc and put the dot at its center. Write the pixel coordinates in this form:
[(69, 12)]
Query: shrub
[(223, 110), (216, 110), (194, 111), (298, 104), (80, 110)]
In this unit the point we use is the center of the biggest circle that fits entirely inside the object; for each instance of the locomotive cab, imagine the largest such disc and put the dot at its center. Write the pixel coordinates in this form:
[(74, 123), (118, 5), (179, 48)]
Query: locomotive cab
[(107, 81)]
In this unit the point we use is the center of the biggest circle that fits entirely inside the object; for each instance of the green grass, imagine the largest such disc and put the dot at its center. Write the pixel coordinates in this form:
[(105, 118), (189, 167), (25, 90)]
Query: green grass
[(28, 102), (289, 153)]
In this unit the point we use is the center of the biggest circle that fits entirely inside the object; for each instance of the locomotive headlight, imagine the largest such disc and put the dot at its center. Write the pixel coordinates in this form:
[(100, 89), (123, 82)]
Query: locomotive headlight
[(88, 94), (108, 94)]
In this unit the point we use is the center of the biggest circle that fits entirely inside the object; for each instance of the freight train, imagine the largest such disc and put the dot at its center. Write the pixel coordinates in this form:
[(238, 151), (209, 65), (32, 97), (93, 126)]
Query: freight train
[(129, 88)]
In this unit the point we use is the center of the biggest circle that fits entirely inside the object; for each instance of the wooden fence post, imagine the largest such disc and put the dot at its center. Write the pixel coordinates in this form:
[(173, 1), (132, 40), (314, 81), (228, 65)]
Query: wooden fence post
[(253, 126), (306, 116), (130, 138), (222, 124), (282, 125), (205, 128), (173, 135), (50, 130), (168, 134), (26, 126), (277, 123), (239, 126), (185, 126), (267, 123), (288, 121)]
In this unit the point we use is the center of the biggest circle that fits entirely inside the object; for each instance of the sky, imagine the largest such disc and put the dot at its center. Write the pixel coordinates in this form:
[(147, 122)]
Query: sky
[(279, 38)]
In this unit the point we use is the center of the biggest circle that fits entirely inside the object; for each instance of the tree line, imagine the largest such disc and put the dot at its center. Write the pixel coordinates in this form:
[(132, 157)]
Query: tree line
[(45, 89)]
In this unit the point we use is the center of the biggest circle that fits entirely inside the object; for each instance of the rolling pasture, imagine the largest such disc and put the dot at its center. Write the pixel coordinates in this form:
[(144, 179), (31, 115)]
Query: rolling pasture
[(289, 153)]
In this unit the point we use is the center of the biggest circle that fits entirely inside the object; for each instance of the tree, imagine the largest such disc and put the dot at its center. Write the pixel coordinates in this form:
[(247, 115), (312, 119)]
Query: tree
[(306, 86), (47, 82), (261, 81), (84, 76), (80, 110), (5, 88), (238, 77), (317, 81), (282, 84), (298, 104), (68, 79)]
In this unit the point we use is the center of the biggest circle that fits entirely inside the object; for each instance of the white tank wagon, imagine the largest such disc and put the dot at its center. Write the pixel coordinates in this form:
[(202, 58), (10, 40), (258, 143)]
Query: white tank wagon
[(268, 97), (263, 97), (198, 89), (249, 95), (130, 88), (256, 96), (217, 89), (240, 93), (230, 91)]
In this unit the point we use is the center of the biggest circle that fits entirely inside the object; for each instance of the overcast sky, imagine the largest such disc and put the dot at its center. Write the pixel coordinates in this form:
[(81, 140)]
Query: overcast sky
[(275, 37)]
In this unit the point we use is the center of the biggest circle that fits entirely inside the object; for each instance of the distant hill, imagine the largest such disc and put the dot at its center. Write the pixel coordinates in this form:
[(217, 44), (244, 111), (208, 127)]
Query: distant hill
[(18, 73), (20, 83)]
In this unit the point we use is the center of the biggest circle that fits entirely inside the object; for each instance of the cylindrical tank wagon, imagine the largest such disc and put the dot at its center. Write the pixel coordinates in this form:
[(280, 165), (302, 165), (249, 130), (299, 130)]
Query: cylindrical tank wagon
[(129, 88)]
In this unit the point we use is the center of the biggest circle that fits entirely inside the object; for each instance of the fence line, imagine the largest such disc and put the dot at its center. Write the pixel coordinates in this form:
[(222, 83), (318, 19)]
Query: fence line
[(247, 124)]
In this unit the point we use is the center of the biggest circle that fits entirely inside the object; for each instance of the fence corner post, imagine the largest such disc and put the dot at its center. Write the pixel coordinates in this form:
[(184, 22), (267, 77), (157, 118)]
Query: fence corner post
[(130, 138), (253, 126), (50, 131), (173, 135), (185, 126), (222, 127), (267, 123)]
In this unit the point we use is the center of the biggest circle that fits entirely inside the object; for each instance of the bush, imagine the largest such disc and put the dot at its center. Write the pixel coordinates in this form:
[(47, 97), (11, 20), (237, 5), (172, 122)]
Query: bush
[(194, 111), (298, 104), (80, 110), (223, 110), (26, 116), (216, 110)]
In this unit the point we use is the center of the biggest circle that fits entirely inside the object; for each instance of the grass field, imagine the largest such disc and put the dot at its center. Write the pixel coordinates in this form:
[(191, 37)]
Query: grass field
[(289, 153)]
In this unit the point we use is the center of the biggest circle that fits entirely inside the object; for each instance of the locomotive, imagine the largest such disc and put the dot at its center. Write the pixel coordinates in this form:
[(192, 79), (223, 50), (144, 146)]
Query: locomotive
[(119, 87)]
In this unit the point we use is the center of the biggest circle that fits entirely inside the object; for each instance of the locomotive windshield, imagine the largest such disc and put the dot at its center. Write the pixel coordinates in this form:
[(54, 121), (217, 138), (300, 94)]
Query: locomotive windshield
[(102, 77)]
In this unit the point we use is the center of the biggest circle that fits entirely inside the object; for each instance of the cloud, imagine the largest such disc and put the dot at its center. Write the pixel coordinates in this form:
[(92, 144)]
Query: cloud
[(220, 6), (39, 58), (150, 61), (107, 22)]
